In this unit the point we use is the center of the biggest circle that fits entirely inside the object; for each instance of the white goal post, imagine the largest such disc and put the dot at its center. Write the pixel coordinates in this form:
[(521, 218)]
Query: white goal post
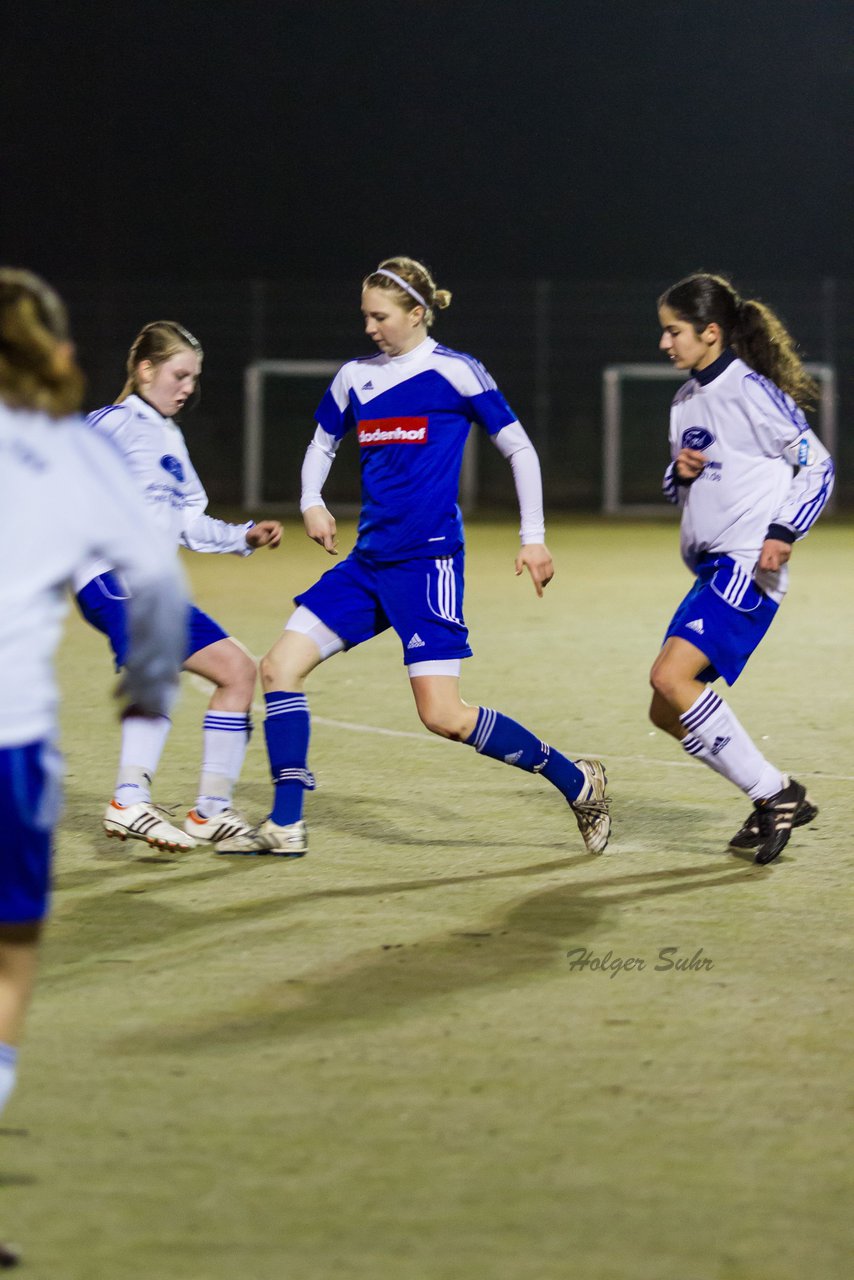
[(254, 378), (613, 377)]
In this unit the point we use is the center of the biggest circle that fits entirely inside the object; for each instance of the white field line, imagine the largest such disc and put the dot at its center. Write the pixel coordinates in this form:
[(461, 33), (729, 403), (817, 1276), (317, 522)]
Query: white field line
[(204, 686)]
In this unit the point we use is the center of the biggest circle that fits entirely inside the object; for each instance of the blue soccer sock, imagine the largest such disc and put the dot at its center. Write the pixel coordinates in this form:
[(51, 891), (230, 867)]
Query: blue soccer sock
[(8, 1071), (287, 729), (498, 736)]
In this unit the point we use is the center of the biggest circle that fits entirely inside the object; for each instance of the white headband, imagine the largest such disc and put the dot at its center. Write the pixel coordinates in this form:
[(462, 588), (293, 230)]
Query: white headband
[(407, 288)]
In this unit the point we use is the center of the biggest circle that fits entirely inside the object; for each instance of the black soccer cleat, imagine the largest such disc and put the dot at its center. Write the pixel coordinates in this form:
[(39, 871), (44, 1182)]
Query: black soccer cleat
[(776, 818), (9, 1255), (747, 836)]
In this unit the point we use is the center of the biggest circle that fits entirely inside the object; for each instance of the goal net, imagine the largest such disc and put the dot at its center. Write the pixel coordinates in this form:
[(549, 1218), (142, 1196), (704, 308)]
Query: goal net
[(635, 409)]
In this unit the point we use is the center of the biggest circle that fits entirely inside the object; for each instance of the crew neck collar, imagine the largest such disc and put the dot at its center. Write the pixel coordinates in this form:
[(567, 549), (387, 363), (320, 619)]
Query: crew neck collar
[(424, 348), (716, 368), (149, 407)]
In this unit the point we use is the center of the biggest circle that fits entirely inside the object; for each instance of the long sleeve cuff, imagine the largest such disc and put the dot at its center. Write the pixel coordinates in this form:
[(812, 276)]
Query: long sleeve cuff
[(781, 533)]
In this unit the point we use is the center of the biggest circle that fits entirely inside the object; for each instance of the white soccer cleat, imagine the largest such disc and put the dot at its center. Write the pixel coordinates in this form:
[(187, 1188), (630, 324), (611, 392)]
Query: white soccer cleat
[(224, 825), (143, 821), (591, 806), (282, 842)]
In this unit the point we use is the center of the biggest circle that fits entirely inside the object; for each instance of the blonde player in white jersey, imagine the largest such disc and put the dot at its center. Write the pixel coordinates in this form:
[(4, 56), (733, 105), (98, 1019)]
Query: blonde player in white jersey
[(751, 478), (163, 370), (57, 472)]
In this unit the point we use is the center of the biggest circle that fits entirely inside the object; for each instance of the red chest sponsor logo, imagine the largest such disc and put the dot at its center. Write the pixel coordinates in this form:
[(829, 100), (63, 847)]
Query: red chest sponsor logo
[(392, 431)]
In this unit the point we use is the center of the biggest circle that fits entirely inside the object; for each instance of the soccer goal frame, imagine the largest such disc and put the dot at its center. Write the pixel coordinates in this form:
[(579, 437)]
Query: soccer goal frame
[(254, 380), (613, 377), (255, 376)]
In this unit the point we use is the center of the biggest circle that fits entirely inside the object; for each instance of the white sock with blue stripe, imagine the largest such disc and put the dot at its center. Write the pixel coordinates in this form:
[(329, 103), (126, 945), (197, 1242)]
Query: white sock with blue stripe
[(8, 1071), (695, 749), (225, 736), (143, 740), (727, 747)]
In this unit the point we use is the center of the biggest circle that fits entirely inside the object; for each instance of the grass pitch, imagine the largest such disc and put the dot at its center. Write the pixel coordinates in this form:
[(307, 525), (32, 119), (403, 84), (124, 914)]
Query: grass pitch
[(389, 1061)]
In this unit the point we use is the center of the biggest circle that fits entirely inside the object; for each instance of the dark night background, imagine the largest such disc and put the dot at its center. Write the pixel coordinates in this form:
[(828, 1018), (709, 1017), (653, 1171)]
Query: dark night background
[(503, 143)]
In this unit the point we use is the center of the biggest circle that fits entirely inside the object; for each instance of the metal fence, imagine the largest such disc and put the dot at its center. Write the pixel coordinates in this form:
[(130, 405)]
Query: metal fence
[(545, 341)]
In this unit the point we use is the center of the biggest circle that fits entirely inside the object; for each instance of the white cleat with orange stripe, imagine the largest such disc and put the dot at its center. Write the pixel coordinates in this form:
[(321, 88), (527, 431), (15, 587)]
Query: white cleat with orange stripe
[(228, 824), (144, 821)]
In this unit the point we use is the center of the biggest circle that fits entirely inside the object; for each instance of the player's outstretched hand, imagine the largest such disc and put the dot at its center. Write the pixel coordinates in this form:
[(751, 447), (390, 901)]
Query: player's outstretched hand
[(536, 558), (266, 533), (320, 527)]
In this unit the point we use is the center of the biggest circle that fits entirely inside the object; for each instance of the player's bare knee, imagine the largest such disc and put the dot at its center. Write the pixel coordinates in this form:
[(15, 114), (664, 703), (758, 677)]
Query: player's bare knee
[(662, 680), (246, 674), (238, 677), (274, 672), (442, 728), (281, 670), (445, 723)]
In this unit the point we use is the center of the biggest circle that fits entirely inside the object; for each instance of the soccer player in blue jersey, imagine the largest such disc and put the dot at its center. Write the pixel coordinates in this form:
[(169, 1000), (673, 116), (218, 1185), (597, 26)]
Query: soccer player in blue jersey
[(751, 479), (64, 497), (410, 407), (163, 370)]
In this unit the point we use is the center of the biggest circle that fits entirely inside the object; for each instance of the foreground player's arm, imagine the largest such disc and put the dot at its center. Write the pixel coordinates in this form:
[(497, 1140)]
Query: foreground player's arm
[(122, 533), (319, 521), (514, 444)]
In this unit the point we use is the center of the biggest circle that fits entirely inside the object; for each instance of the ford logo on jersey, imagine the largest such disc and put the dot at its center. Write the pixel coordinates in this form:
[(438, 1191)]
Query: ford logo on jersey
[(697, 438), (173, 466)]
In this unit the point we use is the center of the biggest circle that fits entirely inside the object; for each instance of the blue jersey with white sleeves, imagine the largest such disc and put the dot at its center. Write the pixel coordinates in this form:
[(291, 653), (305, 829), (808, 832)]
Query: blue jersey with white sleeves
[(411, 414)]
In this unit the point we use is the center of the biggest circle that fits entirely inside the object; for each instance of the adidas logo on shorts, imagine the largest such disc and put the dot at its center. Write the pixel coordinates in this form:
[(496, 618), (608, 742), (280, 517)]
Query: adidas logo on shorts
[(695, 625), (416, 642)]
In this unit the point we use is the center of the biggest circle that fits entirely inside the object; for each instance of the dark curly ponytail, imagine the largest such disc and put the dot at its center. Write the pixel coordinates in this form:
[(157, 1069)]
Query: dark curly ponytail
[(754, 332)]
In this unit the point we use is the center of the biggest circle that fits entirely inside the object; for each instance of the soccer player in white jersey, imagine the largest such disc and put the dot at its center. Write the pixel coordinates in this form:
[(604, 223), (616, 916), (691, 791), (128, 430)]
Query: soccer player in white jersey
[(64, 497), (751, 478), (411, 407), (163, 371)]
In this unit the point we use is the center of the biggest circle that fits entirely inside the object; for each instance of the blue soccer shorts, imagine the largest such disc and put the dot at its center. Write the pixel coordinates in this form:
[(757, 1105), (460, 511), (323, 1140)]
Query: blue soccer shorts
[(724, 615), (103, 603), (30, 803), (421, 599)]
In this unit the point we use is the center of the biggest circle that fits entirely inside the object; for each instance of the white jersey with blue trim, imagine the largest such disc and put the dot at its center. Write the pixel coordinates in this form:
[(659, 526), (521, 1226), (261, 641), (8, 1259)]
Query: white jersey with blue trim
[(412, 414), (156, 455), (65, 497), (764, 467)]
